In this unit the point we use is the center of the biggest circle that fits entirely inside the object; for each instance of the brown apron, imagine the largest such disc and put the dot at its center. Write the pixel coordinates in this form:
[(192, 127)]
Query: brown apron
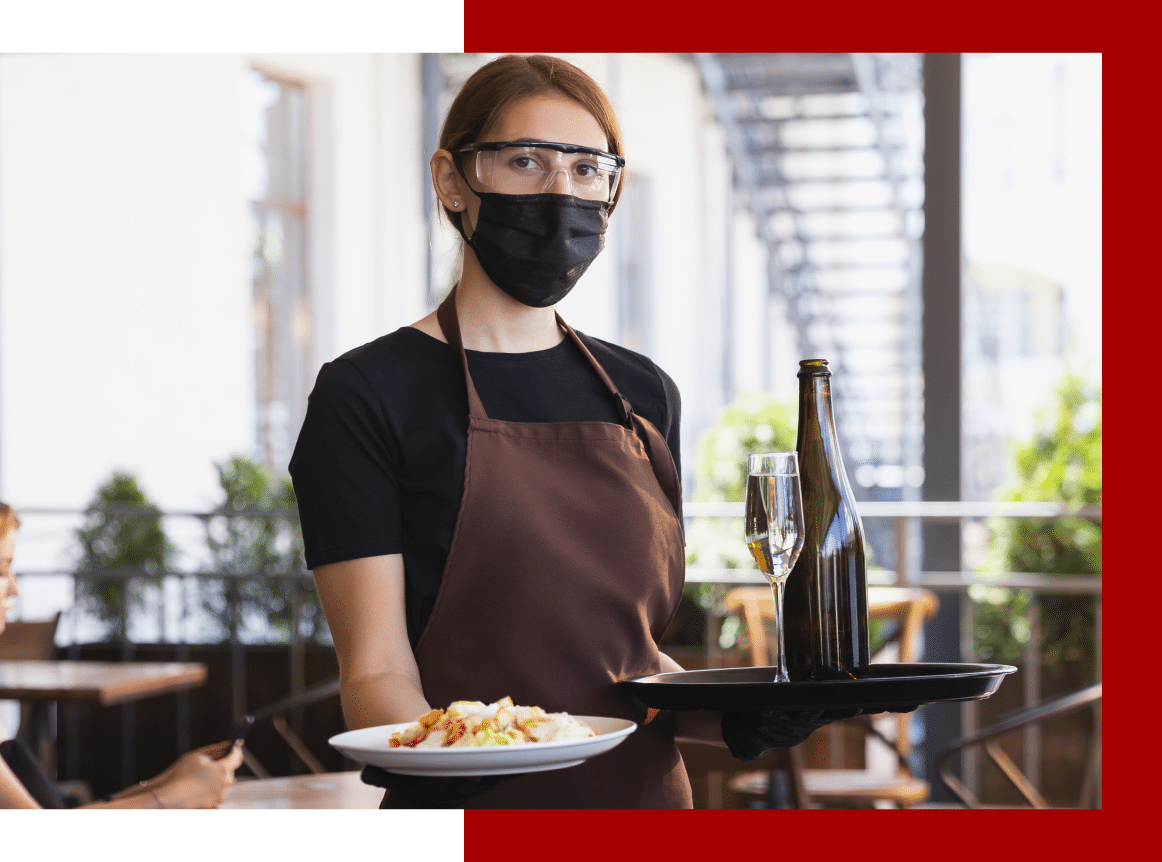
[(566, 566)]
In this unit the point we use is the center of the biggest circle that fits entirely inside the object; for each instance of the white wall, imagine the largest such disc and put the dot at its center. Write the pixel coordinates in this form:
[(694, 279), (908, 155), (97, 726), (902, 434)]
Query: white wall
[(368, 240), (124, 293), (125, 307), (1033, 203)]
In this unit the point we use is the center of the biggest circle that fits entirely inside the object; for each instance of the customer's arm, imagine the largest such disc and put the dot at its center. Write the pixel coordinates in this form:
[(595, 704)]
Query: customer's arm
[(12, 793), (197, 779)]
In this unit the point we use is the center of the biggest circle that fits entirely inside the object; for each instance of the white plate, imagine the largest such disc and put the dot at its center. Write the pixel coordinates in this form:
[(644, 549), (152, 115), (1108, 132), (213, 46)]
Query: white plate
[(370, 746)]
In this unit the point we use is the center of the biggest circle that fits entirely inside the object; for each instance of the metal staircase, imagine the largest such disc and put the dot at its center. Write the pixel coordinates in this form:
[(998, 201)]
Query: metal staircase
[(827, 154)]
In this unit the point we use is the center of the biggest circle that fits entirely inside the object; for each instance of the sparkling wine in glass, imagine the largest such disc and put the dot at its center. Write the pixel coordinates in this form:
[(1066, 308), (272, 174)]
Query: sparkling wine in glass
[(774, 528)]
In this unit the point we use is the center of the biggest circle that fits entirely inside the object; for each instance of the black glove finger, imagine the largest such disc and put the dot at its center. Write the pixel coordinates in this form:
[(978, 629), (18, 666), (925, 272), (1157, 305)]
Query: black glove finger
[(895, 707), (817, 717), (799, 723), (749, 734)]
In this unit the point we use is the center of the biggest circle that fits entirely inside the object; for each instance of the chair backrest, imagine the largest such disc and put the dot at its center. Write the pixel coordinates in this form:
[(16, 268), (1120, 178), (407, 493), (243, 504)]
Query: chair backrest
[(28, 640), (907, 607)]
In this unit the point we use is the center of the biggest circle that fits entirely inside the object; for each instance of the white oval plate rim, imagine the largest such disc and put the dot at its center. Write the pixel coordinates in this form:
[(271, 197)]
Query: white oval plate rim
[(368, 745)]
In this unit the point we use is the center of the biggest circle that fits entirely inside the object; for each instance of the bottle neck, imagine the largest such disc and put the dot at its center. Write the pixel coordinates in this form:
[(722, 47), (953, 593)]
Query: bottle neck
[(816, 419)]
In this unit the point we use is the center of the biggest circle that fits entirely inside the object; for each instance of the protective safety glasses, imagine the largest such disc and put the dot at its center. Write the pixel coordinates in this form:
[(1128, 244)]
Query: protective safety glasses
[(538, 167)]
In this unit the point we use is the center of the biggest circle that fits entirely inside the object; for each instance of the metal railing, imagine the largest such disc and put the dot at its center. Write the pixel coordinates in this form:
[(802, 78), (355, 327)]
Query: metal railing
[(184, 585), (176, 613)]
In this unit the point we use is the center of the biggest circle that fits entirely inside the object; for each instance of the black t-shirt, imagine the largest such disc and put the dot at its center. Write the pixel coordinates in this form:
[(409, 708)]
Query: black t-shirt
[(379, 463)]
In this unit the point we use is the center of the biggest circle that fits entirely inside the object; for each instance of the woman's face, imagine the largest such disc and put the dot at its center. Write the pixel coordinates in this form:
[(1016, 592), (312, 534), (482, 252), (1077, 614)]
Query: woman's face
[(8, 586), (551, 118)]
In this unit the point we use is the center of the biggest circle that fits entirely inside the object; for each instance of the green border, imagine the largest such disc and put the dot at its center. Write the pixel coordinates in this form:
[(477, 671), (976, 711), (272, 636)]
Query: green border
[(202, 835), (231, 26)]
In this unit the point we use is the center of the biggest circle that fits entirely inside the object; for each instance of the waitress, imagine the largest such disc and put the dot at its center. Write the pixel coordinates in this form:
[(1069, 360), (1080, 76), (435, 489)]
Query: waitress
[(490, 501)]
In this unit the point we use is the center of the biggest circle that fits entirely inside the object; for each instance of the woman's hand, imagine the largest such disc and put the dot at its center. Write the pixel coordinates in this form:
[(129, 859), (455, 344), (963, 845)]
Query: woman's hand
[(197, 779)]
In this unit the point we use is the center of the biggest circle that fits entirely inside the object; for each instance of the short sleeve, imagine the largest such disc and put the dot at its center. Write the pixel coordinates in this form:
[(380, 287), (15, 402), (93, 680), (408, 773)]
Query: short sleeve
[(672, 431), (345, 469)]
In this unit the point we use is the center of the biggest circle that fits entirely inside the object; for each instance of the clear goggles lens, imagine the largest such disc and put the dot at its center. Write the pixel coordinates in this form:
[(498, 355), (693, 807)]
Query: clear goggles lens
[(527, 168)]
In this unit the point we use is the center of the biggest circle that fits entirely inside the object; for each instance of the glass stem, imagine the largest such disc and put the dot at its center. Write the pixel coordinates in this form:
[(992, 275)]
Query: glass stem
[(780, 655)]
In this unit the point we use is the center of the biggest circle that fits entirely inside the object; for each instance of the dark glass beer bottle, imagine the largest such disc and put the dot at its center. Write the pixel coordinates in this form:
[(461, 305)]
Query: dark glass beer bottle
[(825, 606)]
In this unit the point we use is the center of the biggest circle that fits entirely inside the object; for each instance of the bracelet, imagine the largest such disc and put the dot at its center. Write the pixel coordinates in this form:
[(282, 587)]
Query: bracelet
[(156, 798)]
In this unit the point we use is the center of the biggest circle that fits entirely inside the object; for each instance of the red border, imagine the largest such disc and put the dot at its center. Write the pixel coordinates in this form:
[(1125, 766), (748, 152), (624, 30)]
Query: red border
[(949, 836), (748, 25), (751, 25)]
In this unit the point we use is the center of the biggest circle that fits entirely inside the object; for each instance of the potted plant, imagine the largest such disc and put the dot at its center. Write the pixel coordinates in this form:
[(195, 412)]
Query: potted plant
[(123, 550)]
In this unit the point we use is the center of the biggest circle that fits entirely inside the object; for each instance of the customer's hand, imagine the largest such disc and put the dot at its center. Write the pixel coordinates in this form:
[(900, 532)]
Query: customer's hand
[(197, 779), (434, 791), (748, 734)]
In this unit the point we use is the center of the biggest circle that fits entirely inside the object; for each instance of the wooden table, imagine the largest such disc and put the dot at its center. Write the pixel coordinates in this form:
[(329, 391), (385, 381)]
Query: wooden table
[(326, 790), (106, 683)]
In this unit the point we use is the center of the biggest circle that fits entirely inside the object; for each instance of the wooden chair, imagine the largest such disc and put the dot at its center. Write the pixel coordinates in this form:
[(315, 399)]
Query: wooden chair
[(1089, 697), (29, 640), (904, 611)]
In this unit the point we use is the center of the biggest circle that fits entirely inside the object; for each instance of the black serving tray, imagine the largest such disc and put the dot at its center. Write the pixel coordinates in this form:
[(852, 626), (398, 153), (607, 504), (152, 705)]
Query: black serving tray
[(888, 688)]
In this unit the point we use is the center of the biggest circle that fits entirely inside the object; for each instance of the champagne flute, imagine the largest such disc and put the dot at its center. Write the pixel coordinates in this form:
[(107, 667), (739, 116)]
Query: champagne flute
[(774, 528)]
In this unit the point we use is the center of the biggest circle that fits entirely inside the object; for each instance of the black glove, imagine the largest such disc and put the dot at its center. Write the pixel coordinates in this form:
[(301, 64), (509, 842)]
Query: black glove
[(892, 707), (433, 791), (749, 734)]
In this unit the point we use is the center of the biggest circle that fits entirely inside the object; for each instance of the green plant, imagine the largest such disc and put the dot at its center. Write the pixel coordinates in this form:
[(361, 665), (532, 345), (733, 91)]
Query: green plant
[(753, 422), (122, 531), (255, 531), (1062, 463)]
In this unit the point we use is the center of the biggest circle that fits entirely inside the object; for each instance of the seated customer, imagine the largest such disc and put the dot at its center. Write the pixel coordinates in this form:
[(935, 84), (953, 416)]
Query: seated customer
[(195, 780)]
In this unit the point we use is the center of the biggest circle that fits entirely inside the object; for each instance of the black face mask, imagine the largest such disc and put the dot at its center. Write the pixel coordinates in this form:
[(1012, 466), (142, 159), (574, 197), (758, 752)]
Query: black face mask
[(535, 247)]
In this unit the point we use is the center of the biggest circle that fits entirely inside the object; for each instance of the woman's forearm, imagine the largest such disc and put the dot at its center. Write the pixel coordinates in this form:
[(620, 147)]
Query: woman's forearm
[(364, 602), (382, 698)]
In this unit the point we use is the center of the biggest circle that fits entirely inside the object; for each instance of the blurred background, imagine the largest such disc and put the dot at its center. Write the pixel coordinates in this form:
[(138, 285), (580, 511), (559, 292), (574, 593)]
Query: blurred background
[(186, 238)]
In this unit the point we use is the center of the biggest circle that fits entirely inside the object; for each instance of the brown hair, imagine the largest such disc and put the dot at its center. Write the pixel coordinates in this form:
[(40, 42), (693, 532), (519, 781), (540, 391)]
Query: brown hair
[(8, 520), (500, 82)]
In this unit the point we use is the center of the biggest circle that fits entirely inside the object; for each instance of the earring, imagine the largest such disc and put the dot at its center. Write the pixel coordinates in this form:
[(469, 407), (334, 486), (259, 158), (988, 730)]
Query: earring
[(455, 203)]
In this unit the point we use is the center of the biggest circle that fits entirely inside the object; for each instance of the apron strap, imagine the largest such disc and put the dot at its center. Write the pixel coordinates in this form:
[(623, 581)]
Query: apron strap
[(663, 464), (622, 401), (660, 458), (450, 324)]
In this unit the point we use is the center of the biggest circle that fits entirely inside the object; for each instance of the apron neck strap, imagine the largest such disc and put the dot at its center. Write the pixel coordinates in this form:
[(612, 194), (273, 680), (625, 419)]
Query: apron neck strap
[(626, 409), (450, 324)]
